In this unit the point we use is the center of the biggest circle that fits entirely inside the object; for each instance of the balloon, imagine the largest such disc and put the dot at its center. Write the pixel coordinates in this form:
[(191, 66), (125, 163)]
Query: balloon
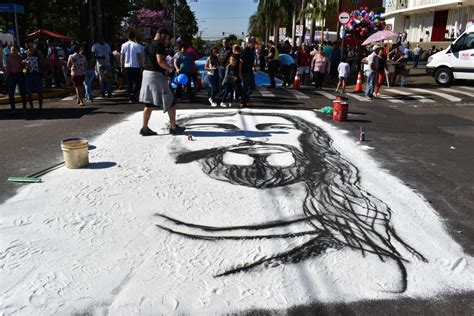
[(181, 79)]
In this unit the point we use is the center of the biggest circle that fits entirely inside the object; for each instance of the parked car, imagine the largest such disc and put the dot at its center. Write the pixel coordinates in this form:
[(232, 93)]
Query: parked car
[(454, 62)]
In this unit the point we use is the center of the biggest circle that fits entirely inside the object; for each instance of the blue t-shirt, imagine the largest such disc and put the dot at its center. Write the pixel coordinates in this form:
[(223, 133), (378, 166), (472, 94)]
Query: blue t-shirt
[(185, 62), (285, 59)]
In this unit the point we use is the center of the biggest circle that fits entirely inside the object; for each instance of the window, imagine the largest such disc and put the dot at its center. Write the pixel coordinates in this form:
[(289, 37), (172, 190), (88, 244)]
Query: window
[(464, 42)]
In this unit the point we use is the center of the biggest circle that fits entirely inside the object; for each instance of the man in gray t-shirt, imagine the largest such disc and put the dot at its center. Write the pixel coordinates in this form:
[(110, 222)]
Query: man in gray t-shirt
[(102, 51)]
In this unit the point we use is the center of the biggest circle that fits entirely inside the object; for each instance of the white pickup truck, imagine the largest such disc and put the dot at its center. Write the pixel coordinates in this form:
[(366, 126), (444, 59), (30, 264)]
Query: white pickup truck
[(455, 62)]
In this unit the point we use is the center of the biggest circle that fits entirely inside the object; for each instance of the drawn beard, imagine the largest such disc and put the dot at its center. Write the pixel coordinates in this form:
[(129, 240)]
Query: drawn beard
[(260, 174)]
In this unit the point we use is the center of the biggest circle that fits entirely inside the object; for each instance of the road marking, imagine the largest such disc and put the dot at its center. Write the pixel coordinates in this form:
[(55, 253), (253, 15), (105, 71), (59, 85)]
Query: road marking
[(390, 98), (298, 94), (361, 97), (69, 98), (326, 94), (265, 93), (443, 95), (467, 88), (457, 91), (411, 95)]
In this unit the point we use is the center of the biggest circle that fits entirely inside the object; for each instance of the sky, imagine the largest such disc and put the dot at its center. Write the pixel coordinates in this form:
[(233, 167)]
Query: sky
[(217, 16)]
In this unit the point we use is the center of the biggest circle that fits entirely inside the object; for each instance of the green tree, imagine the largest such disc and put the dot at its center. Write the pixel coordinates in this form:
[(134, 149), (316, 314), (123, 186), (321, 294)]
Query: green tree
[(317, 10), (271, 15)]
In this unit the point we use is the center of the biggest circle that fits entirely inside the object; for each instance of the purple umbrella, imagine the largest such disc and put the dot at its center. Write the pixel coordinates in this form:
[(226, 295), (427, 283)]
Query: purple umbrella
[(380, 36)]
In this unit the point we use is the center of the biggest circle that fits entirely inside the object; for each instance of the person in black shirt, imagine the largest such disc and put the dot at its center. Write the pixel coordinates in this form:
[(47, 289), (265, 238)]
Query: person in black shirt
[(155, 91), (246, 71), (237, 54), (224, 54), (262, 55), (273, 63)]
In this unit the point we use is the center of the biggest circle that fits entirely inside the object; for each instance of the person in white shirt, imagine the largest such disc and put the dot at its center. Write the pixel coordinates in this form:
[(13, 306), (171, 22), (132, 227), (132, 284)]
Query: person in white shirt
[(344, 70), (371, 71), (102, 52), (131, 61), (417, 51)]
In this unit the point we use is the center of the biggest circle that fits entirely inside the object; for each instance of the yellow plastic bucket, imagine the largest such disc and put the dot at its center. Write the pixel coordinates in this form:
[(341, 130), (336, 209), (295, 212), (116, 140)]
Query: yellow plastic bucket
[(75, 152)]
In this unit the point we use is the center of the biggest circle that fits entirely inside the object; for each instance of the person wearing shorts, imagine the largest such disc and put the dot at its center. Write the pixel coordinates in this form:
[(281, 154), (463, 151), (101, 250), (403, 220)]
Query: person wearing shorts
[(343, 73), (303, 62), (155, 91), (78, 64), (34, 74)]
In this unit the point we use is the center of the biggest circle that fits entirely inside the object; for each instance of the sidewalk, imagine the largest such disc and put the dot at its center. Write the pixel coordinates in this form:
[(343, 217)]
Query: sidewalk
[(48, 94)]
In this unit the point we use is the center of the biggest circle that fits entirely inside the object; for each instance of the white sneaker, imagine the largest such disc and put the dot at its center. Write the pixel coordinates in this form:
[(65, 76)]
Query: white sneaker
[(222, 105), (210, 101), (230, 104), (213, 104)]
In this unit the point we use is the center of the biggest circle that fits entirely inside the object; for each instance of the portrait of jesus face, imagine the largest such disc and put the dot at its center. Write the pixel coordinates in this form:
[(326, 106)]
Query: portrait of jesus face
[(261, 155), (266, 151)]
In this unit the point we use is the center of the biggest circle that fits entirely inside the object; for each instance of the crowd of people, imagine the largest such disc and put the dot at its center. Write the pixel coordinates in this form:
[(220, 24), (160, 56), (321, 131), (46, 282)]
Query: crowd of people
[(150, 70)]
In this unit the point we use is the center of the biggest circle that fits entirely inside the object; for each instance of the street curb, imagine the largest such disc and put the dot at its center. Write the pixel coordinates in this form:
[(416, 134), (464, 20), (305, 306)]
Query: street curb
[(46, 95)]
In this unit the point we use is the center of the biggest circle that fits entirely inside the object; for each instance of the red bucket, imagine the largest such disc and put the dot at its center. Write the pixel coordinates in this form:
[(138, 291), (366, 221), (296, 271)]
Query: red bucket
[(341, 98), (340, 110)]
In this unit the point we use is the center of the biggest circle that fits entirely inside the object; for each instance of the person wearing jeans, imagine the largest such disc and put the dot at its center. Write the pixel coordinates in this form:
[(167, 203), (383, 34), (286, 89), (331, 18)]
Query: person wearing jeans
[(416, 55), (90, 73), (14, 76), (371, 71), (212, 78), (102, 53)]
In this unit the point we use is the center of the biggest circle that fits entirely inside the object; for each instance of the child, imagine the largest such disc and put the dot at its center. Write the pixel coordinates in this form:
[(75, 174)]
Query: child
[(230, 78), (343, 69)]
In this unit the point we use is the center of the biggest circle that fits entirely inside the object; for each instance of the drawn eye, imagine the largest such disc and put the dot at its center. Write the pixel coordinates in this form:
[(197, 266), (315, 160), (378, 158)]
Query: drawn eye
[(232, 158), (274, 126), (283, 159)]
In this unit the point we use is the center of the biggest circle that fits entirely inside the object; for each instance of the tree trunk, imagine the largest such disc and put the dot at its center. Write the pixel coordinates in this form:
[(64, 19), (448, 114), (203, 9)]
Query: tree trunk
[(293, 27), (303, 19), (267, 33), (91, 22), (311, 31), (39, 14), (275, 32), (98, 19)]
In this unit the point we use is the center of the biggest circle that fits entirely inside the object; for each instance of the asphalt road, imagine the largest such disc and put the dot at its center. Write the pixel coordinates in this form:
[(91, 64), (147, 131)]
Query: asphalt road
[(428, 145)]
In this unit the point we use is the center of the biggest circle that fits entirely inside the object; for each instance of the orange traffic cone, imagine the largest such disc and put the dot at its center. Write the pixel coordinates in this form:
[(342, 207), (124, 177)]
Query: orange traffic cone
[(297, 82), (359, 86)]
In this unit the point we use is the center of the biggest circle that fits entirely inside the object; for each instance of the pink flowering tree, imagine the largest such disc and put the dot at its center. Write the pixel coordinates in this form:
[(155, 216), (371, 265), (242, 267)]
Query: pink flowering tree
[(150, 18)]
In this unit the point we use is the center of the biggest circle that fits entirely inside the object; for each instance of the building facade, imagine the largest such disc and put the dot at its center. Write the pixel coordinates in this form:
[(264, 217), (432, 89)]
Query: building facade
[(429, 20)]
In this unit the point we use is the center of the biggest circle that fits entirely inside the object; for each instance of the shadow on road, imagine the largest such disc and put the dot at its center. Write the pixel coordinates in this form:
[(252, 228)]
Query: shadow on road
[(52, 113)]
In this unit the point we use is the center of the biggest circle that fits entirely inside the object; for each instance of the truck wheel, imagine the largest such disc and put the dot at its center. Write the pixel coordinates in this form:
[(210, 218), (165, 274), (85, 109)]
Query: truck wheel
[(443, 76)]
